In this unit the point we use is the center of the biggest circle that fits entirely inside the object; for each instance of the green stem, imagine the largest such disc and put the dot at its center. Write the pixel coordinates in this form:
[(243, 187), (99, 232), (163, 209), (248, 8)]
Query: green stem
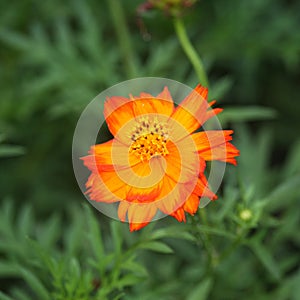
[(211, 251), (123, 36), (231, 248), (190, 51)]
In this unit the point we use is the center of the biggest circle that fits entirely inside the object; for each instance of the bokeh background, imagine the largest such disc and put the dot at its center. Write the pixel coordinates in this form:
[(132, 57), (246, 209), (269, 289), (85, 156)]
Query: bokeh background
[(55, 57)]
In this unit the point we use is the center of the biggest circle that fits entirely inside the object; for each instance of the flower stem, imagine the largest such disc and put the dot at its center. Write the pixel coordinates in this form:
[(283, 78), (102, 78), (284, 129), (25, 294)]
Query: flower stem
[(211, 251), (190, 51), (236, 243), (123, 36)]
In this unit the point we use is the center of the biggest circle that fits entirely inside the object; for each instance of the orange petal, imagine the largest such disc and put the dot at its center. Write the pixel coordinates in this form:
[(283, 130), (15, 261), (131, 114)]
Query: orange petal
[(214, 145), (201, 90), (191, 204), (211, 113), (122, 210), (211, 138), (169, 196), (139, 215), (137, 226), (192, 112), (148, 104), (165, 95), (179, 214), (231, 153), (105, 187), (143, 180), (183, 162), (121, 157), (142, 195), (117, 112), (99, 155), (153, 106), (173, 195), (110, 156), (202, 188)]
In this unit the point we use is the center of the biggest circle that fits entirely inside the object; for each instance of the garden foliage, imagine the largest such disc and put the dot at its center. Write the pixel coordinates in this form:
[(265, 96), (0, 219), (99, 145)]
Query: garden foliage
[(56, 57)]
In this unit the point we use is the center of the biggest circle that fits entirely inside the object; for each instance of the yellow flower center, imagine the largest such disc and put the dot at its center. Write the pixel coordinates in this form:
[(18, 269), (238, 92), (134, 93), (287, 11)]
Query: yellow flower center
[(149, 138)]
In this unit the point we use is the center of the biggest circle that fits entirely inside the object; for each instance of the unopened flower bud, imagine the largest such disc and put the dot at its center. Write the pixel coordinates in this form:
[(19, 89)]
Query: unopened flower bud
[(246, 214), (173, 8)]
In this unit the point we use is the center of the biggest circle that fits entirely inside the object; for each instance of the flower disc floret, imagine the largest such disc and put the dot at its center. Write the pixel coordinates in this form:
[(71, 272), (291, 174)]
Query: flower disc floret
[(149, 138)]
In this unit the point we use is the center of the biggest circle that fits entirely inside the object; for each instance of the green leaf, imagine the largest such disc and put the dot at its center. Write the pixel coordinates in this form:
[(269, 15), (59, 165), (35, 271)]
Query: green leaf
[(220, 88), (50, 231), (15, 40), (34, 283), (5, 297), (19, 294), (75, 268), (25, 222), (266, 259), (73, 282), (134, 267), (128, 280), (2, 137), (116, 235), (8, 269), (119, 296), (284, 192), (216, 231), (156, 246), (45, 260), (11, 150), (250, 166), (292, 165), (172, 232), (231, 195), (7, 215), (95, 239), (158, 60), (247, 113), (74, 233), (201, 291), (295, 290)]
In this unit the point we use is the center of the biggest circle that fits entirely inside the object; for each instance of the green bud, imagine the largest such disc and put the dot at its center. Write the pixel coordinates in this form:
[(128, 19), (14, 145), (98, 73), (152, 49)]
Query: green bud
[(246, 215)]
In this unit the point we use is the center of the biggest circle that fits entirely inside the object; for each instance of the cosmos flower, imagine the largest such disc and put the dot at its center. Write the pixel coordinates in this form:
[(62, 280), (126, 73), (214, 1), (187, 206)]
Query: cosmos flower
[(157, 158)]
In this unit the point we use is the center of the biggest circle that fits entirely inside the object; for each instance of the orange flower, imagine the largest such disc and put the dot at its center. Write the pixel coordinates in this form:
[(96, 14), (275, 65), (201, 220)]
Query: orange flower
[(156, 162)]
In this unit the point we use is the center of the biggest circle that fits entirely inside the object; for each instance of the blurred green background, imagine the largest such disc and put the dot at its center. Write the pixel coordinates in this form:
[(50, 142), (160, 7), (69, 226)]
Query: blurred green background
[(56, 56)]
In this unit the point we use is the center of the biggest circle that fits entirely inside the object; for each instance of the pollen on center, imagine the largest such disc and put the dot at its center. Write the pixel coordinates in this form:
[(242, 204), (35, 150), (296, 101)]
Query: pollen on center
[(149, 138)]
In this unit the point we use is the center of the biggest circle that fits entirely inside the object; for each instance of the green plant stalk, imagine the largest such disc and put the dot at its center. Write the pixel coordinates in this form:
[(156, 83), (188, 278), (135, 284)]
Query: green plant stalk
[(123, 36), (211, 251), (190, 51), (233, 246)]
